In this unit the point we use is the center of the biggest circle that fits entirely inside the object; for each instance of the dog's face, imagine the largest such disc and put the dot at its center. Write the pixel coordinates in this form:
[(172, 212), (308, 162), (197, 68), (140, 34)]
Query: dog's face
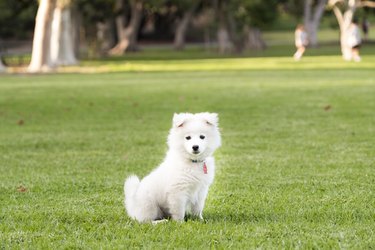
[(197, 136), (195, 142)]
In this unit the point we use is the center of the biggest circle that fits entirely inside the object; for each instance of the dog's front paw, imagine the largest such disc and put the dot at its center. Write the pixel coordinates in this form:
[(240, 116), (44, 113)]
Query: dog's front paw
[(200, 216), (155, 222), (178, 218)]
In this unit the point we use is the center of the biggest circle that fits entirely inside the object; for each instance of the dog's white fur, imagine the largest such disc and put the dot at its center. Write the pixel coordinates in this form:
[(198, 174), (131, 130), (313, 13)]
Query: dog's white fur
[(179, 185)]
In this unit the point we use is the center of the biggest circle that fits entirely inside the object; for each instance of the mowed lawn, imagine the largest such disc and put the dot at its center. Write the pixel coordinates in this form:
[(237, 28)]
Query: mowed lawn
[(296, 168)]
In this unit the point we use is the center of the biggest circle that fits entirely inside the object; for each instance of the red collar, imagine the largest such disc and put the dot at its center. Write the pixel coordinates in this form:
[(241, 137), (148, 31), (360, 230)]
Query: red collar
[(204, 168), (204, 165)]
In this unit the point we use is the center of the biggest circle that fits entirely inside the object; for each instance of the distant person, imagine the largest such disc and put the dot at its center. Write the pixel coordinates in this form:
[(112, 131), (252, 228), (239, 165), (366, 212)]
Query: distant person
[(301, 41), (365, 28), (354, 40)]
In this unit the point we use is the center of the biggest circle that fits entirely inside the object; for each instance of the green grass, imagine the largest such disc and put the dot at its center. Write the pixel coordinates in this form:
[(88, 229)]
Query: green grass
[(200, 60), (296, 169)]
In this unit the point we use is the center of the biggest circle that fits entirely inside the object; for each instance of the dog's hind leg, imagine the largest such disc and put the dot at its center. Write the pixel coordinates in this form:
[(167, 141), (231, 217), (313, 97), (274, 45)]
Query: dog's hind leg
[(147, 211)]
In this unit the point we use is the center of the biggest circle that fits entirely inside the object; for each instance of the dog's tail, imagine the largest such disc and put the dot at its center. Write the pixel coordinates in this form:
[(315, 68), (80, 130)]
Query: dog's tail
[(130, 189)]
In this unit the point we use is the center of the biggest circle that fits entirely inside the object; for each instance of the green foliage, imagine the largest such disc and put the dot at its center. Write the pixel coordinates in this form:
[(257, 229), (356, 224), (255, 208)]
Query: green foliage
[(293, 7), (296, 169), (89, 9), (255, 13), (90, 14), (244, 14), (16, 17), (183, 5)]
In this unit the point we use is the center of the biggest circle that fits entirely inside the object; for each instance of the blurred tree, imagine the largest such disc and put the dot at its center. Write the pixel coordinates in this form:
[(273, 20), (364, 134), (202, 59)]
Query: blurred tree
[(293, 7), (313, 11), (98, 27), (128, 21), (41, 53), (344, 11), (186, 10), (240, 21), (260, 15), (224, 39), (2, 67), (62, 35), (53, 43)]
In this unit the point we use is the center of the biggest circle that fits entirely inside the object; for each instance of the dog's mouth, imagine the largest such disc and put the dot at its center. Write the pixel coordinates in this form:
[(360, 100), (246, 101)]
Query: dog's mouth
[(196, 151)]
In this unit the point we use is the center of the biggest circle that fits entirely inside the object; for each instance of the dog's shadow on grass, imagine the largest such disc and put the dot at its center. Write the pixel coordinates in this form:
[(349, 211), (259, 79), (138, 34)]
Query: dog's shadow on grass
[(239, 217), (236, 218)]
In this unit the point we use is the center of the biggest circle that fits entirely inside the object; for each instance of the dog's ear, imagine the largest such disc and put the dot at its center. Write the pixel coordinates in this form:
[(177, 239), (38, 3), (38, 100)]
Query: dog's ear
[(212, 119), (178, 120)]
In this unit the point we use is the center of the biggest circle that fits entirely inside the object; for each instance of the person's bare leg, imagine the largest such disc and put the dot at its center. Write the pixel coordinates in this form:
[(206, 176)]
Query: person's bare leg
[(355, 54), (299, 53)]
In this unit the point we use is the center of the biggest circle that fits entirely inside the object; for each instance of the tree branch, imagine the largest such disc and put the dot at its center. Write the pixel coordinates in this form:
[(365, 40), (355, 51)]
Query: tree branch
[(334, 2), (307, 11), (338, 15), (319, 9), (349, 13), (369, 4)]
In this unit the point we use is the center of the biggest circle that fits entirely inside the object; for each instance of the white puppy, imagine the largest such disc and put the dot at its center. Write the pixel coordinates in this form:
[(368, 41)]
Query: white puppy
[(180, 184)]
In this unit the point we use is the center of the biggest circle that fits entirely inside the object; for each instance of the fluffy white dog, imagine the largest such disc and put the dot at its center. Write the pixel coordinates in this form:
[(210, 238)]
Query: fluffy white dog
[(179, 185)]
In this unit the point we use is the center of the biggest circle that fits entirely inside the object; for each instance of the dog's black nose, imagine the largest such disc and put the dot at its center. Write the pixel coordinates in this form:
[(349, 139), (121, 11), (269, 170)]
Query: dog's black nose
[(195, 148)]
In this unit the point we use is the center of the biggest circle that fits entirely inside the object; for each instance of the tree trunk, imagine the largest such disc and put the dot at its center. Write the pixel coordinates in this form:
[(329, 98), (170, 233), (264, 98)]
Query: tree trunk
[(40, 57), (312, 33), (56, 34), (344, 21), (224, 41), (207, 39), (2, 66), (127, 34), (312, 17), (179, 38), (76, 30), (135, 23), (62, 43), (105, 35), (253, 39), (346, 49), (67, 51)]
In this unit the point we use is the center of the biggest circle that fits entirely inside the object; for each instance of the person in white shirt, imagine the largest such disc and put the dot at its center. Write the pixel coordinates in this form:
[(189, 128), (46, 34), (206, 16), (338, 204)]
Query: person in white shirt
[(301, 41), (354, 40)]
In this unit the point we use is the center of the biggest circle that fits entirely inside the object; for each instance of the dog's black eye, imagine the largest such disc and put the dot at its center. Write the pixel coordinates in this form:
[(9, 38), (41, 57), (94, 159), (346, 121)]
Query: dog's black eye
[(202, 137), (187, 137)]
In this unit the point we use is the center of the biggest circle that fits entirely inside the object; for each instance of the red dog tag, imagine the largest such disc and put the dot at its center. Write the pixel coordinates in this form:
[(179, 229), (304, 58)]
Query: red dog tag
[(204, 168)]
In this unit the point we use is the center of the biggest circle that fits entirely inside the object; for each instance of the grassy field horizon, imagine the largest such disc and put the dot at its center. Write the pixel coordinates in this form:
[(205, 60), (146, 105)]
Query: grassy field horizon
[(280, 43), (296, 169)]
